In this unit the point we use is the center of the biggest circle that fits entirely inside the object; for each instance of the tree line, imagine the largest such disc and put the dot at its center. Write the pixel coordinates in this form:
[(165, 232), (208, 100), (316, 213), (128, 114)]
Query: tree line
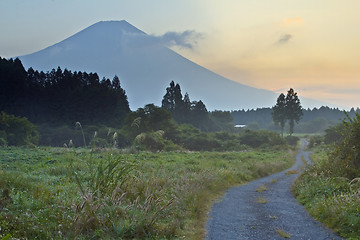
[(312, 120), (54, 101), (61, 96)]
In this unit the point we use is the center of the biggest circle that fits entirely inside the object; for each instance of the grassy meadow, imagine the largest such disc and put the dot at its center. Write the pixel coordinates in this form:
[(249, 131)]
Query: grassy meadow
[(67, 193), (329, 195)]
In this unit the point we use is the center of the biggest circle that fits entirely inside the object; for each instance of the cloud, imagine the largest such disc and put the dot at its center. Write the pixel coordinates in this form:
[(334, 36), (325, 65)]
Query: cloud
[(284, 39), (187, 39)]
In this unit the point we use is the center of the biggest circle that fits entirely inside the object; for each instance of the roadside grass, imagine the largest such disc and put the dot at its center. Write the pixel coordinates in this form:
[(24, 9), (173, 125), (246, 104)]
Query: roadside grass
[(262, 188), (60, 193), (329, 197), (291, 172), (282, 233), (274, 180), (262, 200)]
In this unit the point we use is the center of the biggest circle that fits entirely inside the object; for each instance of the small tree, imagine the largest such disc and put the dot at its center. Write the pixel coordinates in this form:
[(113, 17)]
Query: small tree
[(17, 131)]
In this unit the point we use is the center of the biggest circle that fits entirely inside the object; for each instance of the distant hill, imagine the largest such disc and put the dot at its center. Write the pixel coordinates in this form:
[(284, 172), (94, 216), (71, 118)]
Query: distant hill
[(145, 69)]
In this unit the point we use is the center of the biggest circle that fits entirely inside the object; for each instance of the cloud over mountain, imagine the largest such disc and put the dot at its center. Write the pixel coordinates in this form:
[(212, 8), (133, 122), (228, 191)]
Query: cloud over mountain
[(186, 39)]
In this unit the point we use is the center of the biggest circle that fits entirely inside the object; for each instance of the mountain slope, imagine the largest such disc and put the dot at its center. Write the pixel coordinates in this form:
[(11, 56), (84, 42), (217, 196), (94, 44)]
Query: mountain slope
[(144, 67)]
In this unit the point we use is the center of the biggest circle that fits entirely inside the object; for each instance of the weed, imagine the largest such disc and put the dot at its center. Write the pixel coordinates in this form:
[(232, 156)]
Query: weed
[(262, 188), (78, 125), (274, 180), (291, 172), (282, 233), (262, 200)]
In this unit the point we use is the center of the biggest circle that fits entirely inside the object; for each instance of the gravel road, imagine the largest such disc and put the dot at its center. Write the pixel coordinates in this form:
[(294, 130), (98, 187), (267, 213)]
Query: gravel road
[(240, 215)]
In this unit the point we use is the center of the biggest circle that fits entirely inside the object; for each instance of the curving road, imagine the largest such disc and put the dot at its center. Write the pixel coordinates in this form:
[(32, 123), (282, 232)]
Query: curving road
[(252, 212)]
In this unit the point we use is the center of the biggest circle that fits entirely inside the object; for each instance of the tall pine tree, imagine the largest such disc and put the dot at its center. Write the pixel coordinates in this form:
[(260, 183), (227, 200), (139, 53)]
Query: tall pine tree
[(293, 109), (279, 112)]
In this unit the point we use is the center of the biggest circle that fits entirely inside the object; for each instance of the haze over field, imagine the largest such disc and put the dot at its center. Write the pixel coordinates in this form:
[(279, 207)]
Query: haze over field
[(312, 46)]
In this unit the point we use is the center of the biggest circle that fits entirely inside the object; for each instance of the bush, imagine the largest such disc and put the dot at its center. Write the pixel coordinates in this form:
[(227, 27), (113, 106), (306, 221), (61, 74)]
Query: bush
[(315, 140), (261, 138), (17, 131), (57, 136), (334, 134), (346, 154), (292, 140)]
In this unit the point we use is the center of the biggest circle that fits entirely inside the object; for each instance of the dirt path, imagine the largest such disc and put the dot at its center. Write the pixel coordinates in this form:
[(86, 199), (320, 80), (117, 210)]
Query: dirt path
[(240, 215)]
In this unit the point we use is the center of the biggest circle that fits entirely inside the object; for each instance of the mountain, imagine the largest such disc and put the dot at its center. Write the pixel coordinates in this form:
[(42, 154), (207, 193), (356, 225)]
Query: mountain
[(145, 68)]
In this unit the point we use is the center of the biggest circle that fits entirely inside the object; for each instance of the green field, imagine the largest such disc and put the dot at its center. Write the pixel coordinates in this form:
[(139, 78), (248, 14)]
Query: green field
[(59, 193)]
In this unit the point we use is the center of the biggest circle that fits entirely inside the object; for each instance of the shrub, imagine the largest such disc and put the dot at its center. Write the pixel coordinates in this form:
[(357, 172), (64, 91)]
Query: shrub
[(17, 131), (292, 140), (152, 141), (58, 135), (334, 134), (315, 140), (329, 196), (260, 138), (346, 154)]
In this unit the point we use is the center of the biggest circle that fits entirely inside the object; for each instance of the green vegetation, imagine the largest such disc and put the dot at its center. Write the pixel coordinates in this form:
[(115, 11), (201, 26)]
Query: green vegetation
[(15, 131), (195, 113), (330, 188), (67, 193), (282, 233)]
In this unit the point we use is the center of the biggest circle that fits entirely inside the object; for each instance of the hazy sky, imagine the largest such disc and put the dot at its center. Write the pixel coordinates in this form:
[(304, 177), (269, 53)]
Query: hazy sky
[(312, 46)]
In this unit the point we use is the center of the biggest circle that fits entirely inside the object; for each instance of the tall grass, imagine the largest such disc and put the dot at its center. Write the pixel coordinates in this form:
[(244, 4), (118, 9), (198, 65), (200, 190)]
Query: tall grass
[(53, 193), (330, 197)]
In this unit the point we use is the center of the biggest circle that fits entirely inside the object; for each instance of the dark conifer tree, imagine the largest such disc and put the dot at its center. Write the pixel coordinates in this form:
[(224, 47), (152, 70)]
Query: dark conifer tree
[(293, 109), (173, 102), (61, 97), (279, 112), (200, 115)]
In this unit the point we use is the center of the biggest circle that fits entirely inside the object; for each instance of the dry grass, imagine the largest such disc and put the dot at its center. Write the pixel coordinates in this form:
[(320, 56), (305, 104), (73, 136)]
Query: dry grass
[(274, 180), (291, 172), (282, 233), (262, 200), (262, 188)]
